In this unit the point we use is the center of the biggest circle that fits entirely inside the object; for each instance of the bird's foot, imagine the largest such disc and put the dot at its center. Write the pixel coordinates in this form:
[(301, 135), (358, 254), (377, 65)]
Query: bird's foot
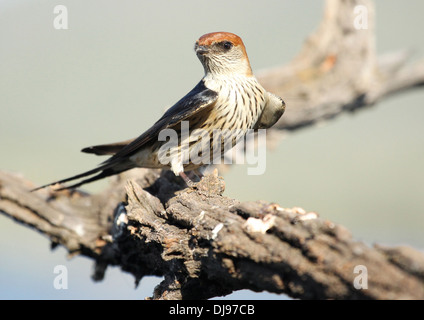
[(210, 184), (188, 181)]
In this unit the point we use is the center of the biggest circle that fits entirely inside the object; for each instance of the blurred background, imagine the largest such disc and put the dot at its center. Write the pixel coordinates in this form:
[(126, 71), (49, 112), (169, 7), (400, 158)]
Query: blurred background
[(121, 63)]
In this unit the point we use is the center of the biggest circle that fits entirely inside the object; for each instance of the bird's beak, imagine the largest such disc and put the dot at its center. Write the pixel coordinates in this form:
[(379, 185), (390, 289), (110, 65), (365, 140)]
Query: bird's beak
[(201, 49)]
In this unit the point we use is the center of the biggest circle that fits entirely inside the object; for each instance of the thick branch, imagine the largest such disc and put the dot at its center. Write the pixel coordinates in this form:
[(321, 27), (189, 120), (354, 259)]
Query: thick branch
[(207, 245), (338, 70)]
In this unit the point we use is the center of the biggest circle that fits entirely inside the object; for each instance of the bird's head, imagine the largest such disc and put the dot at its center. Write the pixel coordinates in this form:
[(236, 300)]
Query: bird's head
[(223, 53)]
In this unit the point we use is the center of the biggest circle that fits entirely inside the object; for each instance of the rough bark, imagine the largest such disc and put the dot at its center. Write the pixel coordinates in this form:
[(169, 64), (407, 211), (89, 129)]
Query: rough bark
[(207, 245)]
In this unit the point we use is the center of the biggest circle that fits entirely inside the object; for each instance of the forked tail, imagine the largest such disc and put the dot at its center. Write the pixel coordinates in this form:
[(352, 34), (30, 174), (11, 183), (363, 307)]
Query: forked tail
[(105, 170)]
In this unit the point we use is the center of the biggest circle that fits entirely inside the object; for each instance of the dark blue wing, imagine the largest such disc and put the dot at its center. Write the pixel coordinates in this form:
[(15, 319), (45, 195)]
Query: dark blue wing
[(196, 100), (199, 98)]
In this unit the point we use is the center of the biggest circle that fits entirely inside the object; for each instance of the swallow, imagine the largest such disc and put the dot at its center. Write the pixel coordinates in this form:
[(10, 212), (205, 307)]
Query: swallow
[(228, 97)]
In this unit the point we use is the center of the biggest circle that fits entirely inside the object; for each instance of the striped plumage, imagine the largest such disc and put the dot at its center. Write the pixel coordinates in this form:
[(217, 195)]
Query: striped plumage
[(233, 113), (228, 98)]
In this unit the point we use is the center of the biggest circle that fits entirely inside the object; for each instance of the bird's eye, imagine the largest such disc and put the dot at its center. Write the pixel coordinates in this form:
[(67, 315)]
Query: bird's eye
[(227, 45)]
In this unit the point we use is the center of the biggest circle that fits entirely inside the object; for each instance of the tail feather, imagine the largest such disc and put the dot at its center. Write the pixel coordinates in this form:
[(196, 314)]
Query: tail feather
[(105, 169), (101, 175), (105, 172), (106, 149)]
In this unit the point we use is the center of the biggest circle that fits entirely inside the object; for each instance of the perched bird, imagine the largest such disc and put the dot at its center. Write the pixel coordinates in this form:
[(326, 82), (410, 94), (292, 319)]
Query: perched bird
[(227, 98)]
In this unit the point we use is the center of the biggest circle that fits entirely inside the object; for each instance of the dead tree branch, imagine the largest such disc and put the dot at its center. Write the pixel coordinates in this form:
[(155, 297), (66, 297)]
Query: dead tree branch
[(207, 245), (338, 70)]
